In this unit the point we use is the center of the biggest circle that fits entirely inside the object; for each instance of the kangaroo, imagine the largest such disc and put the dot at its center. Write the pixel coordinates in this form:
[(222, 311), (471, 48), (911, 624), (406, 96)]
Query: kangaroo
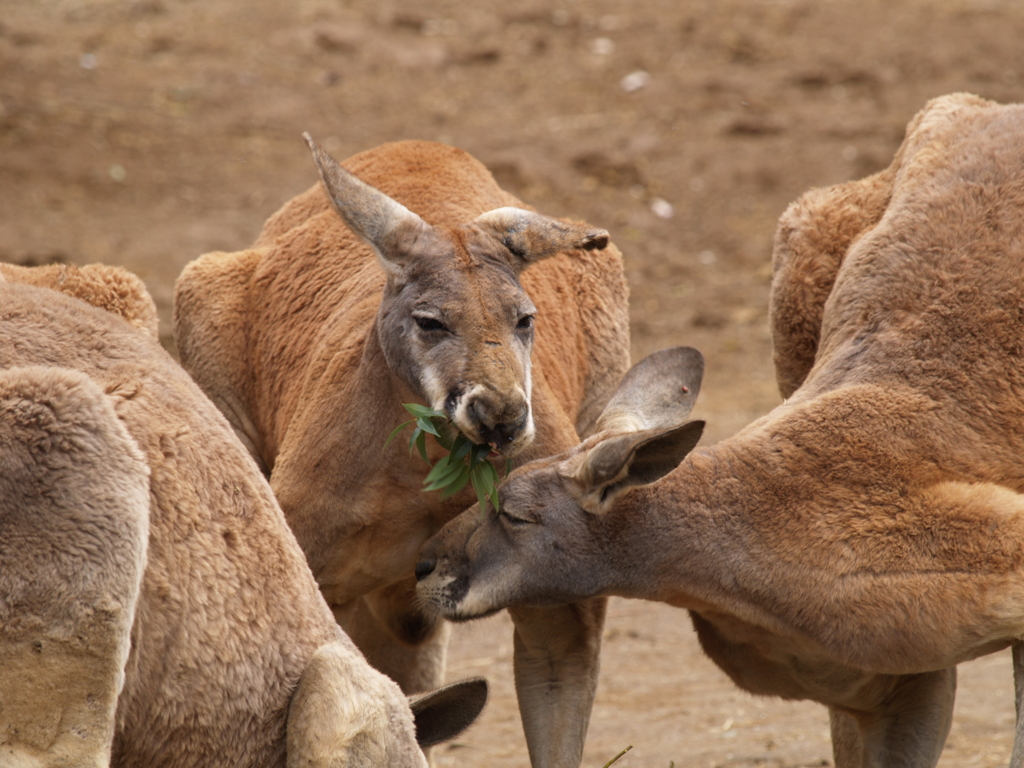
[(411, 276), (155, 608), (859, 541)]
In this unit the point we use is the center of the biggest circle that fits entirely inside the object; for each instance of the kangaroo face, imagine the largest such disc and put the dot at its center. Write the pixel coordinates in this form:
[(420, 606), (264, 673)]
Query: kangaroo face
[(540, 549), (454, 322), (456, 325)]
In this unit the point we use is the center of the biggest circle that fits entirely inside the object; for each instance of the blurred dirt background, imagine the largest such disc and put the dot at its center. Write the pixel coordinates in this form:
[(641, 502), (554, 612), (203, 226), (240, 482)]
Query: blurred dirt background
[(146, 132)]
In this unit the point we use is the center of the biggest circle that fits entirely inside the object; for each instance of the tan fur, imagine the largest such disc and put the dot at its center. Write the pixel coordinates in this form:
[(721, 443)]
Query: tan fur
[(858, 542), (226, 622), (111, 288), (292, 341), (74, 518)]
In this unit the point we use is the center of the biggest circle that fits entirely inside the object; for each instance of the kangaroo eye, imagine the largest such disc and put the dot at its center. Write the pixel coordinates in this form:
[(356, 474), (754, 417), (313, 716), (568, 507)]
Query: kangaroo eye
[(430, 324), (526, 321), (512, 519)]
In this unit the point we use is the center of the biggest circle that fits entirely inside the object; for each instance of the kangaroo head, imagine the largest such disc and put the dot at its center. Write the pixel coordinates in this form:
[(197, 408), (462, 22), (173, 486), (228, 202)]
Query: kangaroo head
[(455, 324), (554, 540)]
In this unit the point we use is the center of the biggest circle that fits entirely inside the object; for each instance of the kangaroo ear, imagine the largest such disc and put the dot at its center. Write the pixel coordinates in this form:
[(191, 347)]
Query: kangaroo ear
[(600, 475), (647, 435), (445, 713), (532, 237), (389, 227), (656, 393)]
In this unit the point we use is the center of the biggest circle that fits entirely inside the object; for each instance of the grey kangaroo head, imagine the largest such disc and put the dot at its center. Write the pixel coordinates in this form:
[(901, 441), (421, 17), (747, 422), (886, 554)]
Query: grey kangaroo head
[(550, 542), (454, 322)]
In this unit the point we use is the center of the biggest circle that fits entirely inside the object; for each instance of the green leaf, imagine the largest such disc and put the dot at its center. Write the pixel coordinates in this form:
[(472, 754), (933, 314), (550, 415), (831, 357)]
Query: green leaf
[(461, 447), (427, 426), (448, 473), (492, 481), (421, 410), (421, 445), (481, 494), (478, 454), (466, 462), (441, 468), (398, 429), (444, 434), (458, 483)]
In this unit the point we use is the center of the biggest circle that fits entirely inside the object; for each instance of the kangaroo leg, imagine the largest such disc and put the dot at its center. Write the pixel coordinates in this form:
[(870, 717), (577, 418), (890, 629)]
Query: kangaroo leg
[(1017, 756), (910, 728), (847, 745), (556, 659)]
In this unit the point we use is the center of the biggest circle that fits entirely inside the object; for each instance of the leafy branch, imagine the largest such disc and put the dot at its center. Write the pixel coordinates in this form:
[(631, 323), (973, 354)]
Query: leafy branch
[(465, 463)]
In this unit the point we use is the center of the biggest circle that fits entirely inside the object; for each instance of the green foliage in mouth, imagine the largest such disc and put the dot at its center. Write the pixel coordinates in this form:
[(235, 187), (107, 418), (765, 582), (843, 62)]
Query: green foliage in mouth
[(465, 463)]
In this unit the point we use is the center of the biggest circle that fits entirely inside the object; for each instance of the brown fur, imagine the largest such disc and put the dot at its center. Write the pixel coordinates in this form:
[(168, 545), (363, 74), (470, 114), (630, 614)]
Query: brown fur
[(858, 542), (69, 577), (291, 340), (230, 640), (110, 288)]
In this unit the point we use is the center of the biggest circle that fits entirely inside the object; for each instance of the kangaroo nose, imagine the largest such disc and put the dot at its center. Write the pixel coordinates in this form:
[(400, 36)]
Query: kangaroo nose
[(502, 430), (503, 434), (424, 568)]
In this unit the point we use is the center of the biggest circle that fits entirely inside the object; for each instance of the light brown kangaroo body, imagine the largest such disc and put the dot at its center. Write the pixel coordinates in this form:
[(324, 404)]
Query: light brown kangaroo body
[(155, 609), (354, 302), (865, 537)]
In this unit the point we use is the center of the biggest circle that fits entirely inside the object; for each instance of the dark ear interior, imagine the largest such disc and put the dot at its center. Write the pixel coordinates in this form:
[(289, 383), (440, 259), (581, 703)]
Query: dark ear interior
[(657, 457), (619, 462), (445, 713), (531, 236), (650, 455)]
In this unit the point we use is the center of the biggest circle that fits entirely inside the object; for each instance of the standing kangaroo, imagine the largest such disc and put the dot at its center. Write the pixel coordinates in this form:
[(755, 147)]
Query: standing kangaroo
[(412, 277), (866, 536)]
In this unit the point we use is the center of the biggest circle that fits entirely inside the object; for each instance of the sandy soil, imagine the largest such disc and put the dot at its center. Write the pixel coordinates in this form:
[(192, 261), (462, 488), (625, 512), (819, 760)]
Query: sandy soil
[(146, 132)]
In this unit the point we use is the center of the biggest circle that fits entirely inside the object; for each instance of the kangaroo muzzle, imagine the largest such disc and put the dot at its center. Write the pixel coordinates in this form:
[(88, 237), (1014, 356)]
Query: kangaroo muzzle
[(503, 422)]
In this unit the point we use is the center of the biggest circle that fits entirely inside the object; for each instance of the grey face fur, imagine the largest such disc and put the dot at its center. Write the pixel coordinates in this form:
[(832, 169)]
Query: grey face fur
[(454, 322)]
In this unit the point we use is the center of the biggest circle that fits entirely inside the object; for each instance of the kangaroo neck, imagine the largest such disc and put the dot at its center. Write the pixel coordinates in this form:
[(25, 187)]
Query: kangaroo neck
[(700, 538)]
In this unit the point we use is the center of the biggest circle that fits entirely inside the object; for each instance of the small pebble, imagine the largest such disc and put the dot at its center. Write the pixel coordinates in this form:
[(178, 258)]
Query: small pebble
[(634, 81)]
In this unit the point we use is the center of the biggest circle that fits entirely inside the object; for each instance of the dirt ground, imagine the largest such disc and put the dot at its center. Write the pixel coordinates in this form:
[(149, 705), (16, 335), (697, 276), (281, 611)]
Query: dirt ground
[(147, 132)]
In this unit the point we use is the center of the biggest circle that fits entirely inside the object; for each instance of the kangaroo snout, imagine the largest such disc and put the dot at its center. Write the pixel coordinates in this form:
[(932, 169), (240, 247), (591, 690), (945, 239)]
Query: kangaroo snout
[(505, 426), (424, 568)]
